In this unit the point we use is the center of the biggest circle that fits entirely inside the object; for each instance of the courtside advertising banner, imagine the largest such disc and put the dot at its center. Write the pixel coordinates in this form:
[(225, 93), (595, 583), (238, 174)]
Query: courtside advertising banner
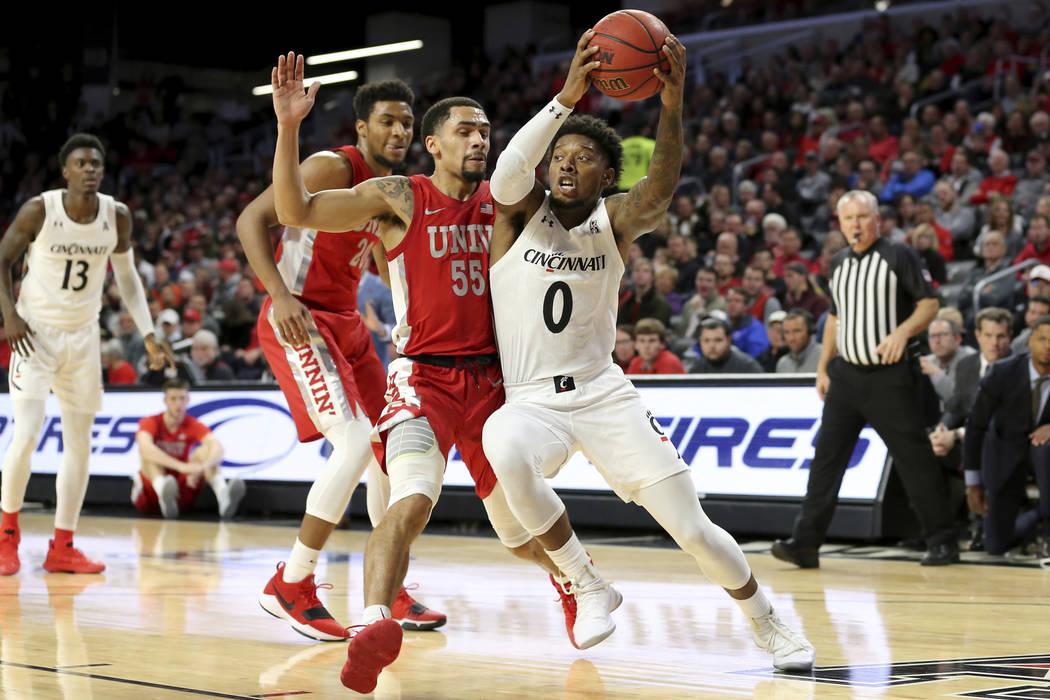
[(739, 440)]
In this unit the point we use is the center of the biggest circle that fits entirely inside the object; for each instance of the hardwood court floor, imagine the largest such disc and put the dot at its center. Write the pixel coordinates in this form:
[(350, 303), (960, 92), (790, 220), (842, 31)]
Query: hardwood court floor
[(175, 616)]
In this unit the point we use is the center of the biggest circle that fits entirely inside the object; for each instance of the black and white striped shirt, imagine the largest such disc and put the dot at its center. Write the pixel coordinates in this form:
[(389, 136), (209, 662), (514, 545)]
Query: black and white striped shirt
[(872, 293)]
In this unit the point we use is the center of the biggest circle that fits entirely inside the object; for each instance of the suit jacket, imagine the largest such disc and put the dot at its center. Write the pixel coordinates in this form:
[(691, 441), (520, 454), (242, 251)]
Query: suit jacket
[(967, 378), (1001, 418)]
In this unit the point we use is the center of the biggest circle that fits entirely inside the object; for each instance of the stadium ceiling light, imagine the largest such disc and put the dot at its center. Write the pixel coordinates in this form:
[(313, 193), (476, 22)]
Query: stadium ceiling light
[(882, 5), (365, 52), (323, 79)]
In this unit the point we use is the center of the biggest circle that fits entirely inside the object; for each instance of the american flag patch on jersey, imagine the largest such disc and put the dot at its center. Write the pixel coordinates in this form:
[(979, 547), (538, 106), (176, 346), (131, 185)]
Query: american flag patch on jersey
[(926, 275), (486, 208)]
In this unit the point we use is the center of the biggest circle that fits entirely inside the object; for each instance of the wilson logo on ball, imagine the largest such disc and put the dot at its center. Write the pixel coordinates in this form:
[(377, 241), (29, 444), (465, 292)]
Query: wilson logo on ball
[(607, 85)]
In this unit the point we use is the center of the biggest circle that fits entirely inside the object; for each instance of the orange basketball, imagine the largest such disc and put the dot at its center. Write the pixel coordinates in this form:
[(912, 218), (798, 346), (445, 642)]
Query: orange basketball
[(629, 43)]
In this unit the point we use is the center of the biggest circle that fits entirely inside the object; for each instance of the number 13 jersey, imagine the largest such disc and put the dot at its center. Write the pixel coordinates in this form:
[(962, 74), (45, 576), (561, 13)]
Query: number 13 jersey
[(67, 265), (554, 294)]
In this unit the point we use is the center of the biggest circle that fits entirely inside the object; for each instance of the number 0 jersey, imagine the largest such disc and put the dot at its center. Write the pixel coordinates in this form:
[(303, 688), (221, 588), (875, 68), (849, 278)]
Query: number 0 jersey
[(554, 295), (324, 268), (439, 274), (67, 265)]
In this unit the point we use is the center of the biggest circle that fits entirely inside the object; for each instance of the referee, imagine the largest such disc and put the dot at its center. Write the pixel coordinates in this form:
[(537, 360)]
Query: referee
[(881, 297)]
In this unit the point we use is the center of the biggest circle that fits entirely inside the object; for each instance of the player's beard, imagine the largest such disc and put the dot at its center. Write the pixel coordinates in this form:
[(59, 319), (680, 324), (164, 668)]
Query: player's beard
[(472, 176), (387, 163), (567, 205)]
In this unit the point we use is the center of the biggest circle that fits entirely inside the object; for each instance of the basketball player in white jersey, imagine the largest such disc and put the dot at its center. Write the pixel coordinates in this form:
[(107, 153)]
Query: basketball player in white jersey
[(53, 329), (557, 258)]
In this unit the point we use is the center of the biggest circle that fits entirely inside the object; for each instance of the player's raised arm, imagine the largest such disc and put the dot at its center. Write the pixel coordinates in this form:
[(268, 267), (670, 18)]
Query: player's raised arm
[(514, 178), (330, 210), (639, 210)]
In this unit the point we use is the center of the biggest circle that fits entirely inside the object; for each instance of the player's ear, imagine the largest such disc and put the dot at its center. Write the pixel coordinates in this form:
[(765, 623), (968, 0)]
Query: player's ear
[(361, 126), (608, 178), (431, 142)]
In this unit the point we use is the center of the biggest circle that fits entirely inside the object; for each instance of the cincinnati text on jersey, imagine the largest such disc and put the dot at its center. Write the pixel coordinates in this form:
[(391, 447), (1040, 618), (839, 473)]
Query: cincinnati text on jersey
[(78, 249), (472, 238), (560, 261)]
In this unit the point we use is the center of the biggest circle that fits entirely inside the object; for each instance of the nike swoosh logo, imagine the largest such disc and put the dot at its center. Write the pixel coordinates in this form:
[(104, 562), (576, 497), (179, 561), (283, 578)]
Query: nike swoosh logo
[(428, 212), (287, 606)]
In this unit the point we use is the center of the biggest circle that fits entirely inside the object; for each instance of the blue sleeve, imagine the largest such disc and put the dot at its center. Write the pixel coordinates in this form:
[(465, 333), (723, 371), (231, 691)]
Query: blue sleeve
[(756, 340), (919, 185), (889, 190)]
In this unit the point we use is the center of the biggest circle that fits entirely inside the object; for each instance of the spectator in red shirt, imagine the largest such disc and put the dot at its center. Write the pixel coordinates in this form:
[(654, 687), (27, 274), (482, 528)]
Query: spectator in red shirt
[(1038, 246), (790, 245), (116, 370), (653, 357), (754, 283), (925, 214), (882, 145), (1000, 179), (724, 267), (179, 454), (623, 351)]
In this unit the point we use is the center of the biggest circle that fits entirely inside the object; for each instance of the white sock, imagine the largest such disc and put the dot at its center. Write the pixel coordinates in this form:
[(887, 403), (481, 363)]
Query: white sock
[(374, 613), (573, 561), (158, 482), (301, 563), (757, 605), (219, 486)]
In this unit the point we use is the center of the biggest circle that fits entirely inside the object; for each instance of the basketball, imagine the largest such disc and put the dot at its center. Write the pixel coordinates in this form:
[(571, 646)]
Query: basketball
[(629, 43)]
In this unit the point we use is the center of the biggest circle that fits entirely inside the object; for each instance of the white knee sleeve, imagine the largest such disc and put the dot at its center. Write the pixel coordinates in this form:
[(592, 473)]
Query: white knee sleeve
[(673, 503), (29, 419), (351, 452), (71, 482), (511, 533), (378, 493), (521, 452), (413, 461)]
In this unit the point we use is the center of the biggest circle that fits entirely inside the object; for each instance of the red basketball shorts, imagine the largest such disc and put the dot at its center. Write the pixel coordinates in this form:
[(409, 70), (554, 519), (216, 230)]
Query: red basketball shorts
[(456, 401), (328, 378)]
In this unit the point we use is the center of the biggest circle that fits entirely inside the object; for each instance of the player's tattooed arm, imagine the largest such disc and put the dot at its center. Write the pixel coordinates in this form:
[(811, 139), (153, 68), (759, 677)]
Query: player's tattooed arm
[(397, 191), (639, 210)]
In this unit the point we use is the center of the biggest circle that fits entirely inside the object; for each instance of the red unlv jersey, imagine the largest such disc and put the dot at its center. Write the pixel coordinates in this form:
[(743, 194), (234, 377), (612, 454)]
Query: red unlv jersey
[(321, 268), (176, 443), (439, 274)]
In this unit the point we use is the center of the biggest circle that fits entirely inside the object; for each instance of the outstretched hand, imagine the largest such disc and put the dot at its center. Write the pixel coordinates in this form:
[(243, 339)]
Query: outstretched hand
[(578, 80), (671, 96), (290, 103)]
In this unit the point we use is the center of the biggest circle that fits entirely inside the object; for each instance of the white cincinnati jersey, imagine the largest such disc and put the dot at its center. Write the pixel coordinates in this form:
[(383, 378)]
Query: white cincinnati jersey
[(554, 297), (67, 265)]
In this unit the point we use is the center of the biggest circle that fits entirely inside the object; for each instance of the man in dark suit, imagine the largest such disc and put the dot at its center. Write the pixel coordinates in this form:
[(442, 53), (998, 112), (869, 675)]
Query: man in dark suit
[(993, 327), (1008, 433)]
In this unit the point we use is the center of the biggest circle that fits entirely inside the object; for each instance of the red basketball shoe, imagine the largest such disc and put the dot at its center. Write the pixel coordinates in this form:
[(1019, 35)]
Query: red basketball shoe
[(369, 651), (413, 615), (70, 560), (568, 605), (9, 563), (298, 604)]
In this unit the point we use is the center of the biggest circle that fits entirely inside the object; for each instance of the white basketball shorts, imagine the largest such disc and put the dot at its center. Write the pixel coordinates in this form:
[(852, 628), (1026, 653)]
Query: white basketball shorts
[(64, 361), (604, 418)]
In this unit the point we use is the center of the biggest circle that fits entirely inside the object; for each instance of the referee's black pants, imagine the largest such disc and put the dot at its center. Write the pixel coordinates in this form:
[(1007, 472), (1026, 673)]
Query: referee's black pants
[(887, 397)]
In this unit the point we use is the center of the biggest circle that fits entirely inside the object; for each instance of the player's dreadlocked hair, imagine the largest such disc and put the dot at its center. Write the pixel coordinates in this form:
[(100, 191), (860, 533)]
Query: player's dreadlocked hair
[(601, 133), (386, 91)]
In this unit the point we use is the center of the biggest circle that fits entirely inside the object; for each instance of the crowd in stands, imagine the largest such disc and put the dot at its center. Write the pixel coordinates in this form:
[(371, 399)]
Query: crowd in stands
[(947, 122)]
